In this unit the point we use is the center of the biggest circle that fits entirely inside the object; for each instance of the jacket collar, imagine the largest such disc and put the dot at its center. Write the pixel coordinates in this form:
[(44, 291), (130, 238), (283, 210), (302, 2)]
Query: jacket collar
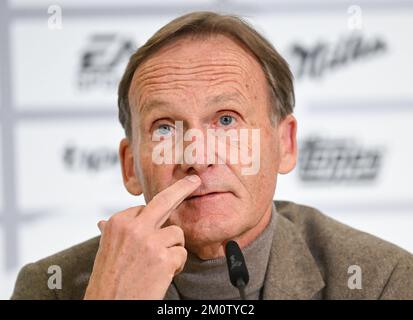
[(292, 271)]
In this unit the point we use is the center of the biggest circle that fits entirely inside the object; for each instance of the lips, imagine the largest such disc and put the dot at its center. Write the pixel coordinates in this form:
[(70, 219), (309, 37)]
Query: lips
[(206, 196), (212, 188), (210, 194)]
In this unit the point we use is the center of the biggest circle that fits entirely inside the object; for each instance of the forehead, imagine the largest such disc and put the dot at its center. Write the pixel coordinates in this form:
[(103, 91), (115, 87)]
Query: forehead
[(189, 64)]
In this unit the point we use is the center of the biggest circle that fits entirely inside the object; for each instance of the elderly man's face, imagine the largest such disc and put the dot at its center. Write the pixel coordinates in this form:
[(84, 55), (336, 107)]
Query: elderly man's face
[(207, 84)]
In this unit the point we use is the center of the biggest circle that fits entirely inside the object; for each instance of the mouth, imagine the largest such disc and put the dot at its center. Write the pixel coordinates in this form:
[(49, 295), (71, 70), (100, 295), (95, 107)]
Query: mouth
[(206, 196)]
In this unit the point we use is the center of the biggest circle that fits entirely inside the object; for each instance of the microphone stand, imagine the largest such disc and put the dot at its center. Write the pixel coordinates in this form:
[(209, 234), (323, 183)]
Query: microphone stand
[(241, 289)]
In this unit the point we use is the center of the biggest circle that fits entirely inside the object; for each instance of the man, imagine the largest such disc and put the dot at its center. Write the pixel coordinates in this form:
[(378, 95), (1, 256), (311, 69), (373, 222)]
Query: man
[(201, 72)]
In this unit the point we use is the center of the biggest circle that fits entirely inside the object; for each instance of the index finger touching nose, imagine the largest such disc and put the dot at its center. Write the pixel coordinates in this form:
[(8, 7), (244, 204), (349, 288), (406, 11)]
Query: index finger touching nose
[(161, 206)]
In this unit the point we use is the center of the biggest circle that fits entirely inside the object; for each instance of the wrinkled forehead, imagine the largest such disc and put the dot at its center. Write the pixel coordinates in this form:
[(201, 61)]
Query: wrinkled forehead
[(203, 62)]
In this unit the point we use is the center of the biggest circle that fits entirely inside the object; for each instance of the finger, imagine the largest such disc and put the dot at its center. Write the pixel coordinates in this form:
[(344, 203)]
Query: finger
[(125, 215), (158, 210), (101, 225), (170, 236), (129, 213), (178, 256)]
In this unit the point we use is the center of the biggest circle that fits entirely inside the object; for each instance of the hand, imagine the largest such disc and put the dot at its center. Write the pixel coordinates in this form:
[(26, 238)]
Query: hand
[(137, 258)]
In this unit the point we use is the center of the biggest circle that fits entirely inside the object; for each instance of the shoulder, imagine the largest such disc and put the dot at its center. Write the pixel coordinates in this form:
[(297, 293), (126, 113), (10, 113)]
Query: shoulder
[(386, 270), (75, 264)]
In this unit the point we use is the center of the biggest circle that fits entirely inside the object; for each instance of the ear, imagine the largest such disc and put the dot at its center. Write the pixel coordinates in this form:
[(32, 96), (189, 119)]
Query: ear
[(130, 179), (287, 135)]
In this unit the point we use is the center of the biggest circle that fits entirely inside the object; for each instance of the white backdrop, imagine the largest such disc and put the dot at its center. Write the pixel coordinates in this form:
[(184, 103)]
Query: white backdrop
[(59, 172)]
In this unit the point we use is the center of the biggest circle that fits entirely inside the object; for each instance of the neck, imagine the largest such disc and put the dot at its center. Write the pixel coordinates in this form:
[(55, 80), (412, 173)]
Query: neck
[(208, 278), (217, 250)]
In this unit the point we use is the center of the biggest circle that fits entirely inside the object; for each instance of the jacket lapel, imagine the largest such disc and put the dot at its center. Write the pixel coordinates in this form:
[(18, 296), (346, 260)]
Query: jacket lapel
[(292, 271)]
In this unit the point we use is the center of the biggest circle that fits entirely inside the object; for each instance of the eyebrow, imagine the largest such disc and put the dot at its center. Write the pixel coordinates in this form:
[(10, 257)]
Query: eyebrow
[(224, 97), (214, 100), (154, 103)]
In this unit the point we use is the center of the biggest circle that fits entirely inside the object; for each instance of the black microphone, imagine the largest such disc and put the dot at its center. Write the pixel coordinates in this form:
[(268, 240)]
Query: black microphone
[(237, 269)]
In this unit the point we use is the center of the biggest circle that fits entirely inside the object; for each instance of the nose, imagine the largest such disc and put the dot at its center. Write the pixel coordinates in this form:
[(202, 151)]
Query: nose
[(197, 168), (197, 157)]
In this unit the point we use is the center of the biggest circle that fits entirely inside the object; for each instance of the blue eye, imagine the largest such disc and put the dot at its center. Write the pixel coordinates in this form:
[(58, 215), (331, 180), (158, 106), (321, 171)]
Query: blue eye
[(164, 130), (226, 120)]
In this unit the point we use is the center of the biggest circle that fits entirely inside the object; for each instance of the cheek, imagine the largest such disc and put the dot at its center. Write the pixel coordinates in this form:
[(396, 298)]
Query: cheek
[(267, 173), (158, 179), (154, 178), (270, 157)]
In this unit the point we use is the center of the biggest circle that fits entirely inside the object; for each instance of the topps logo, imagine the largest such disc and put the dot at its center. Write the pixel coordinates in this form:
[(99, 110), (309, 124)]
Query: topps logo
[(103, 61), (337, 160)]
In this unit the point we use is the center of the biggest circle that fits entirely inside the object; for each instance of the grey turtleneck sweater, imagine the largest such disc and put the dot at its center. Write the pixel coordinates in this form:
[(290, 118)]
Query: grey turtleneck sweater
[(209, 279)]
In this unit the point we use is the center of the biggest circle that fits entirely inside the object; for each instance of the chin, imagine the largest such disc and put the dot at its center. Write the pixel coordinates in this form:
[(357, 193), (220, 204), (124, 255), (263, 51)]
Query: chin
[(212, 208), (210, 218), (209, 232), (208, 224)]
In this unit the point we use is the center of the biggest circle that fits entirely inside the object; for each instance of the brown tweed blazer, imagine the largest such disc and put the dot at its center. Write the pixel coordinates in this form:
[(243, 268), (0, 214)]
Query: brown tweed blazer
[(310, 259)]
